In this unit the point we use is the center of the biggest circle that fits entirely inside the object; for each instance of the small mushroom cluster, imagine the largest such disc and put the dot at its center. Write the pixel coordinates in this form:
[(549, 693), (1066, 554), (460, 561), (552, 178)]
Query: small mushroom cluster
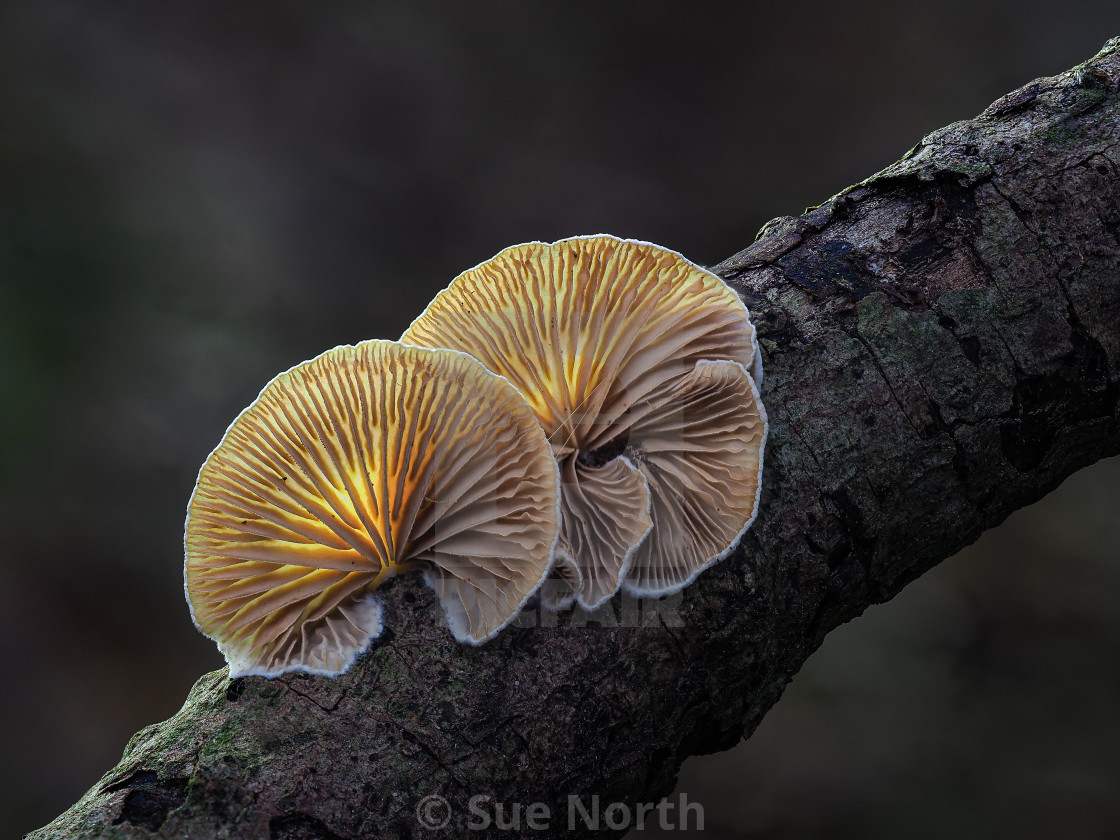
[(585, 411)]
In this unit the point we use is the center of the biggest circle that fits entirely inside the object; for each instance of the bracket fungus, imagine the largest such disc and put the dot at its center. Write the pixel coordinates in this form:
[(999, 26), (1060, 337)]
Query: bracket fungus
[(643, 371), (368, 461)]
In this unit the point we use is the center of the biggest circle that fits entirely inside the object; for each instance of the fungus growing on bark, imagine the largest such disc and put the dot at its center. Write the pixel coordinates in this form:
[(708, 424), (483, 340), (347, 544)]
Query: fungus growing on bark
[(348, 469), (642, 368)]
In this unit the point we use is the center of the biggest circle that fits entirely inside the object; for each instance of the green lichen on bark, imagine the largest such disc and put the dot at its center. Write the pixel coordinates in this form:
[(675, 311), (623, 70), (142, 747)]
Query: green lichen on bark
[(942, 345)]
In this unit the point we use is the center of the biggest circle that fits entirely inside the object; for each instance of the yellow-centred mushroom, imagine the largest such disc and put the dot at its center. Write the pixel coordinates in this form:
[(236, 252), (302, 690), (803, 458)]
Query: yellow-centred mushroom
[(643, 371), (363, 463)]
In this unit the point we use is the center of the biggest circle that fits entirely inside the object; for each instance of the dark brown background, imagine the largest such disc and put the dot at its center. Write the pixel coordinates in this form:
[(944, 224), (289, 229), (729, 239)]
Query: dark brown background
[(194, 197)]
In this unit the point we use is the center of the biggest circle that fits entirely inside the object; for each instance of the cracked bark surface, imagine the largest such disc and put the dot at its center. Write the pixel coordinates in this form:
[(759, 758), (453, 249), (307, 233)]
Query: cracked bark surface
[(942, 346)]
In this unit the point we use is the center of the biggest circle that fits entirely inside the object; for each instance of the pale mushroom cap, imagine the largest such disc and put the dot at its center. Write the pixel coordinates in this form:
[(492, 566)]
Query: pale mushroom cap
[(361, 463), (603, 337), (702, 455)]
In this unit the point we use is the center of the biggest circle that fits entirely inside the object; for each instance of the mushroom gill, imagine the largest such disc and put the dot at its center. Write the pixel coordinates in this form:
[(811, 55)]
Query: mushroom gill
[(348, 469), (642, 369)]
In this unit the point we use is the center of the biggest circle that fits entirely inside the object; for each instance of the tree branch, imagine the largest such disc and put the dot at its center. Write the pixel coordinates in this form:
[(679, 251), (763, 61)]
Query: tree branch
[(942, 346)]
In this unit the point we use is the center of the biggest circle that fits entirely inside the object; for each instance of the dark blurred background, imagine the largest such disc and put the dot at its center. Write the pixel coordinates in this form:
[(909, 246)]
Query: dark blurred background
[(194, 197)]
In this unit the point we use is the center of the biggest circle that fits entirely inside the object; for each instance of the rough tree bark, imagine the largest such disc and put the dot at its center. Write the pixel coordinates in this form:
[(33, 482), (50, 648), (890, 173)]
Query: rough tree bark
[(942, 346)]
